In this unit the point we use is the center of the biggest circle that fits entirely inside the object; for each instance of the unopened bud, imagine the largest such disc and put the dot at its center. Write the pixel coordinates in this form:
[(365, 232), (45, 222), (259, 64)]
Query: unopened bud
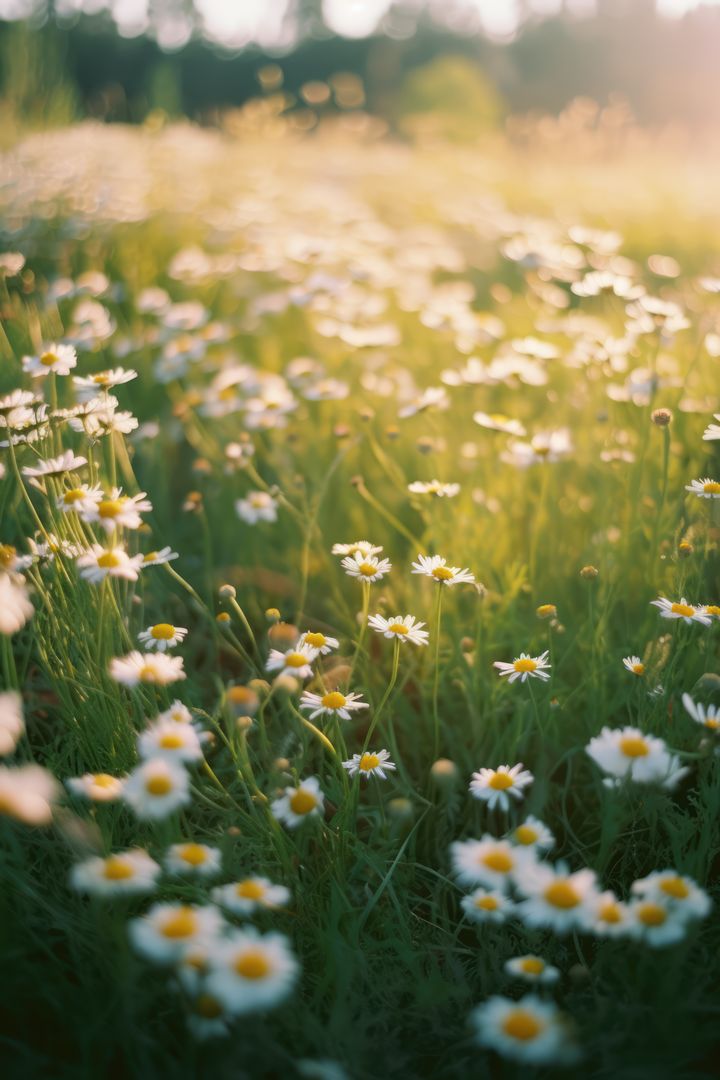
[(661, 417), (589, 572)]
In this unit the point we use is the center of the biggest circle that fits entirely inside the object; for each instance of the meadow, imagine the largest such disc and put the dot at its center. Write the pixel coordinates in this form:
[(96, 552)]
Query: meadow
[(360, 511)]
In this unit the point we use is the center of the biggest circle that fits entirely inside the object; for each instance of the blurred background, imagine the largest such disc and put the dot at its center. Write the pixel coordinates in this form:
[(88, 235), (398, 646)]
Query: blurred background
[(454, 67)]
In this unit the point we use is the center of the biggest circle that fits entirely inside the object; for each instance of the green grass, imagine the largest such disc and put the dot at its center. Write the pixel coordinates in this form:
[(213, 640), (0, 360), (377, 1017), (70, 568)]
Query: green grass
[(390, 971)]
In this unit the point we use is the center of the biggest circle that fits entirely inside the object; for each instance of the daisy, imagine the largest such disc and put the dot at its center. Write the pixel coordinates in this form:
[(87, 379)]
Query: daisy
[(333, 703), (177, 712), (117, 511), (487, 905), (487, 861), (98, 563), (87, 388), (705, 488), (155, 668), (681, 610), (366, 567), (207, 1017), (126, 873), (628, 753), (162, 636), (532, 969), (320, 642), (656, 922), (53, 359), (12, 724), (98, 787), (499, 422), (299, 803), (15, 607), (168, 930), (434, 487), (707, 715), (402, 629), (530, 1031), (256, 506), (634, 665), (156, 788), (79, 500), (554, 897), (66, 462), (681, 894), (191, 859), (525, 667), (611, 917), (250, 895), (168, 739), (370, 763), (433, 566), (359, 547), (534, 834), (296, 661), (251, 972), (27, 793), (158, 558), (498, 787), (712, 431)]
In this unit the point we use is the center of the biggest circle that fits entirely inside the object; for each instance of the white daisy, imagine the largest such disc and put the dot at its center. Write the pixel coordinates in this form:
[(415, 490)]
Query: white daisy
[(359, 547), (366, 567), (158, 558), (300, 803), (168, 930), (525, 667), (65, 462), (192, 860), (117, 511), (296, 662), (532, 833), (155, 668), (634, 665), (251, 972), (656, 922), (553, 896), (370, 763), (333, 703), (689, 613), (15, 606), (401, 628), (434, 487), (98, 563), (168, 739), (627, 753), (707, 715), (611, 917), (126, 873), (53, 359), (498, 787), (27, 793), (680, 893), (532, 969), (322, 643), (156, 788), (256, 506), (177, 712), (98, 787), (712, 431), (705, 488), (487, 861), (499, 422), (435, 567), (250, 895), (162, 636), (487, 905), (79, 499), (86, 388), (530, 1031)]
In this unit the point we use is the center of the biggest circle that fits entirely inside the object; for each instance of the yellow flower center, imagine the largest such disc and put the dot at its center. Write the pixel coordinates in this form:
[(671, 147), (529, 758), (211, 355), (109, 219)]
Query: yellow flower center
[(398, 628), (500, 781), (682, 609), (182, 923), (486, 903), (638, 669), (711, 487), (521, 1025), (110, 508), (525, 834), (251, 889), (333, 700), (150, 557), (525, 664), (7, 555), (316, 641), (194, 854), (208, 1007), (302, 802), (712, 609), (610, 913), (104, 780), (147, 673), (163, 631), (48, 359), (368, 762), (561, 894), (171, 741), (532, 965), (499, 861), (651, 914), (116, 869), (295, 660), (253, 964), (442, 573), (545, 610), (108, 560), (675, 887), (367, 569), (73, 496), (634, 746), (158, 785), (712, 722), (101, 379)]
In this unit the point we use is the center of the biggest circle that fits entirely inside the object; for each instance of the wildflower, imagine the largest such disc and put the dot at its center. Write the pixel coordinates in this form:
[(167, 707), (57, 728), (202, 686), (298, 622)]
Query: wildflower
[(626, 753), (12, 724), (525, 667), (434, 487), (156, 668), (15, 607), (256, 506), (296, 661), (689, 613), (66, 462), (705, 488), (433, 566), (98, 563), (191, 859), (498, 787), (249, 895), (320, 642), (655, 922), (156, 788), (402, 629), (611, 917), (546, 611), (487, 905), (362, 548), (545, 446), (661, 417), (530, 1031), (177, 712), (162, 636), (499, 422), (27, 793), (300, 803), (53, 359), (251, 972), (370, 763), (532, 833), (98, 787), (333, 703), (117, 511), (532, 969), (79, 500), (487, 861), (366, 567), (157, 558), (86, 388), (207, 1017), (168, 739), (708, 716), (634, 665), (123, 874), (712, 431), (554, 897), (680, 893), (168, 930)]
